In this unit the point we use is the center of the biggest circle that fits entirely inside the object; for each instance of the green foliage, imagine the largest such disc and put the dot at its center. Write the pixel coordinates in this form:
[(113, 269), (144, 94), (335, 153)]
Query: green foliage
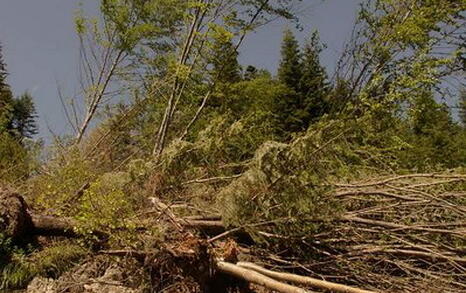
[(50, 262), (138, 22), (313, 84), (462, 107), (6, 248), (289, 70), (286, 188), (106, 203), (67, 173), (224, 57), (434, 134), (17, 122), (394, 54), (89, 191), (23, 122), (16, 163), (306, 100), (17, 116)]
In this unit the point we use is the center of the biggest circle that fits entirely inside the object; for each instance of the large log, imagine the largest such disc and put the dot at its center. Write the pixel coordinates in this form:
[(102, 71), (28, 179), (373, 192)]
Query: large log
[(53, 226), (15, 221), (18, 223)]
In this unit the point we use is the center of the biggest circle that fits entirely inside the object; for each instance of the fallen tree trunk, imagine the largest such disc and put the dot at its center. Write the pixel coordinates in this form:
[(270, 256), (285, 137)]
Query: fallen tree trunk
[(257, 278), (286, 277), (53, 226), (18, 223)]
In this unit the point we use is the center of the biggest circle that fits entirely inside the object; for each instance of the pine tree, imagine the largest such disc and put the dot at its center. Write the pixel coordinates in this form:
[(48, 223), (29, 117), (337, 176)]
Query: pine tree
[(313, 86), (307, 81), (287, 106)]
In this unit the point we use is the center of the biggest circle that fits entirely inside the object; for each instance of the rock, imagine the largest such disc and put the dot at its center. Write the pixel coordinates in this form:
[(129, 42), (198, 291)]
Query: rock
[(41, 285), (109, 283)]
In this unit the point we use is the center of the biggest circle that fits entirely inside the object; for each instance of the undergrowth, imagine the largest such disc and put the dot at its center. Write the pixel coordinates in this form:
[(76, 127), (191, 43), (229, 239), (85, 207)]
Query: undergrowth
[(49, 262)]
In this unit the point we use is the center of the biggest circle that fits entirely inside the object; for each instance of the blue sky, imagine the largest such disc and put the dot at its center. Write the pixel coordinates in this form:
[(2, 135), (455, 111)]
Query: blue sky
[(40, 46)]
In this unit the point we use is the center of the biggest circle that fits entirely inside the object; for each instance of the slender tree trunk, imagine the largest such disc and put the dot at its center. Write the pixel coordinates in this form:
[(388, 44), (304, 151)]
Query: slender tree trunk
[(97, 97)]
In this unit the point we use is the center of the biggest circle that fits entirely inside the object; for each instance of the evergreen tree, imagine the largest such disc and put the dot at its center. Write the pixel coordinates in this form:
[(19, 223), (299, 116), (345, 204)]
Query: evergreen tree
[(462, 107), (306, 80), (313, 86), (434, 134), (17, 116), (226, 68), (338, 96), (287, 106), (23, 116), (289, 71), (6, 97)]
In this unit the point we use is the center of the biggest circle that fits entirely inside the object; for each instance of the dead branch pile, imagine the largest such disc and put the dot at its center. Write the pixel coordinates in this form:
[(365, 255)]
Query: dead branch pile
[(398, 234)]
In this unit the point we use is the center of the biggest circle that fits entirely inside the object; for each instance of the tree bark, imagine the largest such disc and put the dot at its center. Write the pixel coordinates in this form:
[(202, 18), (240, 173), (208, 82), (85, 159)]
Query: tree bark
[(257, 278), (286, 277)]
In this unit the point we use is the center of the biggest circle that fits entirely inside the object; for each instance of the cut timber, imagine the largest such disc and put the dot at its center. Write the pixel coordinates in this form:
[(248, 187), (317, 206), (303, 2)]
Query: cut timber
[(285, 277), (257, 278)]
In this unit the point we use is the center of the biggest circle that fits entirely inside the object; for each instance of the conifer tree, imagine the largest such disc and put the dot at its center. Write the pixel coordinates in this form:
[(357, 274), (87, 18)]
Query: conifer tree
[(17, 116), (313, 86), (24, 116), (6, 97), (287, 106), (226, 68), (289, 71), (462, 107), (307, 82)]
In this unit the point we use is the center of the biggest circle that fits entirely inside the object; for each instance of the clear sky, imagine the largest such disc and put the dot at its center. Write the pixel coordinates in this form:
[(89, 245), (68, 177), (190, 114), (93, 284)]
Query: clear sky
[(40, 46)]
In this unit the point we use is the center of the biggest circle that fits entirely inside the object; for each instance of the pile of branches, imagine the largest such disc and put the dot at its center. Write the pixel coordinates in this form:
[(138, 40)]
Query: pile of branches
[(399, 233), (403, 233)]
